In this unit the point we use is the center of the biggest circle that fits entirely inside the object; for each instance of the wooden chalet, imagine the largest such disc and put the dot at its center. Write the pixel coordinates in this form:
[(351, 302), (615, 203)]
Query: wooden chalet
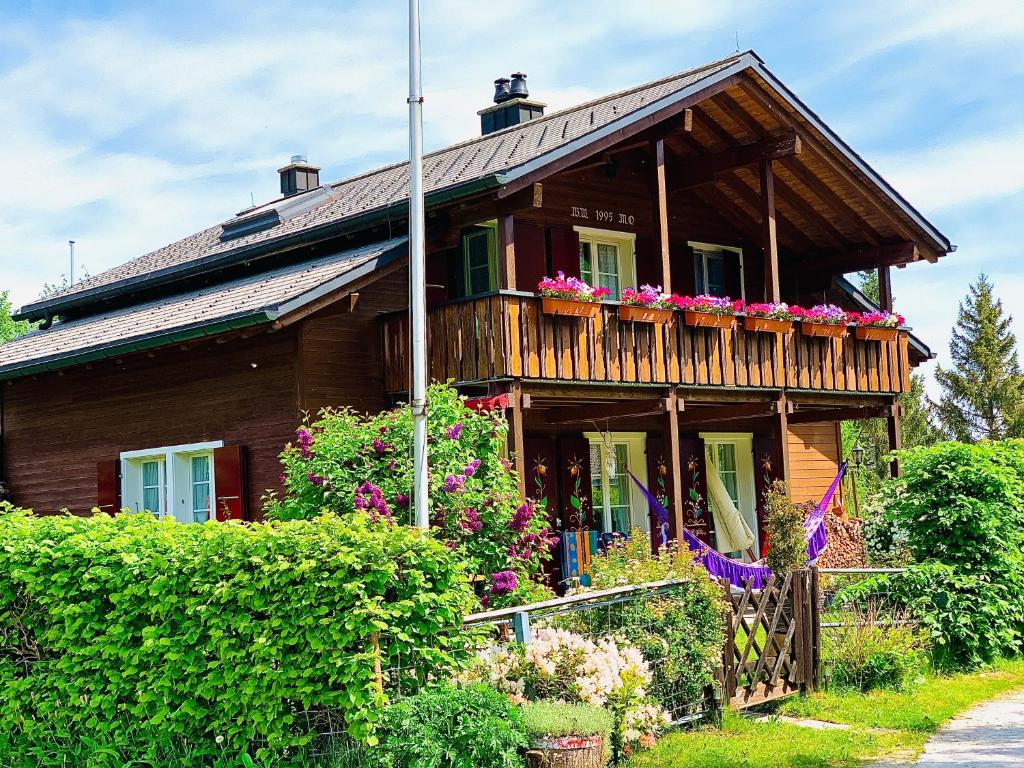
[(171, 383)]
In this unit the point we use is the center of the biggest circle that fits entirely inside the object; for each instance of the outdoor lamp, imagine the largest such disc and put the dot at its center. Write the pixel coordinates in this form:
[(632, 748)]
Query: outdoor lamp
[(858, 454)]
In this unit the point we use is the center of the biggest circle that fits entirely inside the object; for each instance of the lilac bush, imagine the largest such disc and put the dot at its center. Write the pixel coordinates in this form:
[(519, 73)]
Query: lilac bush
[(344, 462)]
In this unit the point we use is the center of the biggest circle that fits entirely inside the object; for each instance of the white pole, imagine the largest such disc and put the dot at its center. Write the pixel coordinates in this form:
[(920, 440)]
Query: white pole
[(417, 274), (71, 270)]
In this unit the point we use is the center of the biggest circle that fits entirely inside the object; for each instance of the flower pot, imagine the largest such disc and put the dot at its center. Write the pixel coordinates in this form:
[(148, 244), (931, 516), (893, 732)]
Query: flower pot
[(569, 307), (566, 752), (823, 329), (767, 325), (875, 333), (709, 319), (645, 314)]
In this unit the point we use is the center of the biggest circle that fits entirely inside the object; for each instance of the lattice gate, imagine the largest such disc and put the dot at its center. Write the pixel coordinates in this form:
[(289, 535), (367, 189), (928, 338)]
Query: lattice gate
[(771, 639)]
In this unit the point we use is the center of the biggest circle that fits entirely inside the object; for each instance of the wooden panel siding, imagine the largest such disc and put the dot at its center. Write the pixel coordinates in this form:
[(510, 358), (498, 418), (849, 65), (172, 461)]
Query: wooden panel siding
[(59, 427), (814, 451), (507, 335)]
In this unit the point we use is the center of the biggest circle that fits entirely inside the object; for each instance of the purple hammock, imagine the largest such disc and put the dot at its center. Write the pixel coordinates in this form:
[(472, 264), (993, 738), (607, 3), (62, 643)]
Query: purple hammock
[(739, 573)]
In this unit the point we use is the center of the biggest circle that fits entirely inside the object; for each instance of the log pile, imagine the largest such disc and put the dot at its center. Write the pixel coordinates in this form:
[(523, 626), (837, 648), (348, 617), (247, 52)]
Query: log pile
[(845, 541)]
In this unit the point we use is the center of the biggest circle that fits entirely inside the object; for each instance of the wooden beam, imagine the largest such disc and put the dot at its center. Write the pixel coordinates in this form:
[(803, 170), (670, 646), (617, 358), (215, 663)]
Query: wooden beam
[(705, 169), (676, 459), (740, 116), (891, 255), (516, 438), (892, 427), (507, 251), (782, 425), (662, 198), (794, 200), (703, 119), (849, 413), (790, 232), (769, 243), (725, 205), (601, 411), (735, 412), (885, 288), (826, 195)]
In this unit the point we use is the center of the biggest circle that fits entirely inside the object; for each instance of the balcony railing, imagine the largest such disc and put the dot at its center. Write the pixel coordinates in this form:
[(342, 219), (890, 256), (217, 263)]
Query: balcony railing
[(506, 335)]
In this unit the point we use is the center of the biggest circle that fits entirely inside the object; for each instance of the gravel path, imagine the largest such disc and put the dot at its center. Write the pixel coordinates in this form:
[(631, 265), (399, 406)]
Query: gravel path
[(990, 735)]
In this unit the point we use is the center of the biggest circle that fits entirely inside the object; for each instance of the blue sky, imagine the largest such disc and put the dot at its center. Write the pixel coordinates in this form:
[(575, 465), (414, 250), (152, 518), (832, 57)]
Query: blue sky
[(127, 125)]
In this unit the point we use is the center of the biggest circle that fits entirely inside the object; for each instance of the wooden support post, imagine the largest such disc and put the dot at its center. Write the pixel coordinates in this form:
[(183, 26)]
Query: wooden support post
[(677, 465), (516, 443), (507, 252), (892, 424), (782, 424), (885, 288), (666, 266), (769, 242)]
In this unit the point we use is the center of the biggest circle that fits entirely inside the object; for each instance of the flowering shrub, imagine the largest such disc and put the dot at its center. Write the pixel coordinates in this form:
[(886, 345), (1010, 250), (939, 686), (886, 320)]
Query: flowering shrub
[(564, 666), (826, 314), (878, 319), (647, 296), (562, 287), (777, 310), (714, 305), (345, 463)]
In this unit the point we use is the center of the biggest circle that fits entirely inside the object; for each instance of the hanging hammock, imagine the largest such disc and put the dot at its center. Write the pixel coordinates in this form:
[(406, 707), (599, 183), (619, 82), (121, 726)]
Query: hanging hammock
[(732, 534), (739, 574)]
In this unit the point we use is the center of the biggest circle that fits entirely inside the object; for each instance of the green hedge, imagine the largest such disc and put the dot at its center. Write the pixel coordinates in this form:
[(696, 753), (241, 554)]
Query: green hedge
[(134, 638)]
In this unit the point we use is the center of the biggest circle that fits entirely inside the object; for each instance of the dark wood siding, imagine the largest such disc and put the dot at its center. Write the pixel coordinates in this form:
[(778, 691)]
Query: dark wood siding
[(59, 428)]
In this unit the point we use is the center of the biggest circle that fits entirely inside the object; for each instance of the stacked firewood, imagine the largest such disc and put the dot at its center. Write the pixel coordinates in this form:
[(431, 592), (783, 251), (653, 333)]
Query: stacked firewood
[(845, 541)]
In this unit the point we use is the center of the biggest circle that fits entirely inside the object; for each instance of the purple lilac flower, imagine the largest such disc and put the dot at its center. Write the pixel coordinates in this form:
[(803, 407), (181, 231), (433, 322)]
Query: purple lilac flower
[(453, 433), (402, 500), (454, 483), (380, 447), (392, 464), (471, 521), (305, 440), (506, 464), (369, 496), (503, 582), (521, 518), (315, 479), (472, 467)]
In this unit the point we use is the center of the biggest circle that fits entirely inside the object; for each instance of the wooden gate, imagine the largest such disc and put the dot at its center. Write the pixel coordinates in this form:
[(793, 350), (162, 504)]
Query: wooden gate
[(771, 639)]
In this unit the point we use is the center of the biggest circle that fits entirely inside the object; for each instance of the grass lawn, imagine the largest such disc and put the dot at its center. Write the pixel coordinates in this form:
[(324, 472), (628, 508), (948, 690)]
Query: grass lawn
[(913, 714)]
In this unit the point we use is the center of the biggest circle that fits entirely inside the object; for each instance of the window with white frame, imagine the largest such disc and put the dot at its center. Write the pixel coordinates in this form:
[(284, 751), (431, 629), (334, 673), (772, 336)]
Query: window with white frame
[(174, 480), (713, 266), (607, 259), (480, 258), (731, 455), (619, 506)]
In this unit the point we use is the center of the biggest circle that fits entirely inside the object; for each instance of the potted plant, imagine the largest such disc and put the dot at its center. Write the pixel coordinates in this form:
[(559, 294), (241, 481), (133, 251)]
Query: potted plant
[(646, 305), (570, 296), (775, 317), (709, 311), (823, 320), (877, 326), (566, 735)]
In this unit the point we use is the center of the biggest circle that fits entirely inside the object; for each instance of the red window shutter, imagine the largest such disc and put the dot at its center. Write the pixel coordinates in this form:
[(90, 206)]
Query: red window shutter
[(659, 482), (565, 251), (574, 482), (530, 256), (229, 479), (108, 486), (696, 515)]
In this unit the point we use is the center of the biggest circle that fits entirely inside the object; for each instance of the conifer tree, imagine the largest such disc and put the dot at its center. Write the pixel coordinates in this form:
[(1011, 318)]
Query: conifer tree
[(982, 393), (9, 328)]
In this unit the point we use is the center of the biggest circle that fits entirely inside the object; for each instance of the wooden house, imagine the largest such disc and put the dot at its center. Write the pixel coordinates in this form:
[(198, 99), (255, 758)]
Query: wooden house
[(171, 383)]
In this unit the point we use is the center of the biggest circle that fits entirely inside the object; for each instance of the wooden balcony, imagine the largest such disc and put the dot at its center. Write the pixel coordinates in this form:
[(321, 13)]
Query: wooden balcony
[(507, 336)]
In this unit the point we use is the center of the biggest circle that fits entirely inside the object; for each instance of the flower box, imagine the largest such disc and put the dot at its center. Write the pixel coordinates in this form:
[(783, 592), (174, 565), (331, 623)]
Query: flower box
[(639, 314), (823, 329), (569, 307), (875, 333), (709, 319), (767, 324), (566, 752)]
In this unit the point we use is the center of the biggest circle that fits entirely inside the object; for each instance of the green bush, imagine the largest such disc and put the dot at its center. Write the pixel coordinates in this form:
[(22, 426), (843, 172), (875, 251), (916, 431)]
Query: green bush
[(784, 530), (346, 462), (680, 633), (868, 653), (129, 638), (554, 718), (452, 727)]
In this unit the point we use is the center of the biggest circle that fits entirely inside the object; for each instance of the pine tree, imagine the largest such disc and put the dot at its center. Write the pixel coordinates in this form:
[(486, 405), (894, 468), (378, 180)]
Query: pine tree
[(917, 425), (982, 394)]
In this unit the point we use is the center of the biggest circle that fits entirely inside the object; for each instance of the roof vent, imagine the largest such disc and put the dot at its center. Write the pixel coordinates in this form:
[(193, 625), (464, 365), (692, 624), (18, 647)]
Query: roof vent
[(298, 176), (512, 105)]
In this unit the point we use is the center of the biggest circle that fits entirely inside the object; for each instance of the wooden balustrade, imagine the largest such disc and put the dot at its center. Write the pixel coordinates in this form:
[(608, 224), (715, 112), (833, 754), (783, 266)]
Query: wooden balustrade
[(507, 335)]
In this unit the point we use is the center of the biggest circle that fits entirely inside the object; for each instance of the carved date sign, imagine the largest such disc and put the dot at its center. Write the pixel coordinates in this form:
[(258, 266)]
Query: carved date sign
[(601, 216)]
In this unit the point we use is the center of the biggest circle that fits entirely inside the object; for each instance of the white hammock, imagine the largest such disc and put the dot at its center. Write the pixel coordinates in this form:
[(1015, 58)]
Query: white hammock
[(732, 534)]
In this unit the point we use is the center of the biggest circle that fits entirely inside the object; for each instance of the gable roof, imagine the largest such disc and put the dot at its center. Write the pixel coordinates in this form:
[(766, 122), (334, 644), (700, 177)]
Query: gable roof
[(240, 303)]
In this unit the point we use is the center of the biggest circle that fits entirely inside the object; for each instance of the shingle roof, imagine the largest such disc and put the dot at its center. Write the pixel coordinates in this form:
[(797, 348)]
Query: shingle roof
[(450, 167), (243, 302)]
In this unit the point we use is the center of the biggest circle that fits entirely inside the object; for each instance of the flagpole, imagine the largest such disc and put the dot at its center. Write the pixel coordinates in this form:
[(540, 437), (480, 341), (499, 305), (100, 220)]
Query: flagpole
[(417, 274)]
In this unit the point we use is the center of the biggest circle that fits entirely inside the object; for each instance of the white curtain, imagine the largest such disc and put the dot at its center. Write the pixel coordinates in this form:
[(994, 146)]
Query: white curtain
[(732, 534)]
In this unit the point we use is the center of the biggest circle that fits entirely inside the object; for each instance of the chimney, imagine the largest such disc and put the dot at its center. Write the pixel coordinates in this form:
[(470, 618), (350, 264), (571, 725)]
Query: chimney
[(298, 176), (512, 105)]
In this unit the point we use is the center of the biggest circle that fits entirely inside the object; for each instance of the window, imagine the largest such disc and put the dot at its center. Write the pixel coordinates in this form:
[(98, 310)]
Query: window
[(732, 455), (619, 507), (177, 481), (480, 258), (606, 259), (713, 265)]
